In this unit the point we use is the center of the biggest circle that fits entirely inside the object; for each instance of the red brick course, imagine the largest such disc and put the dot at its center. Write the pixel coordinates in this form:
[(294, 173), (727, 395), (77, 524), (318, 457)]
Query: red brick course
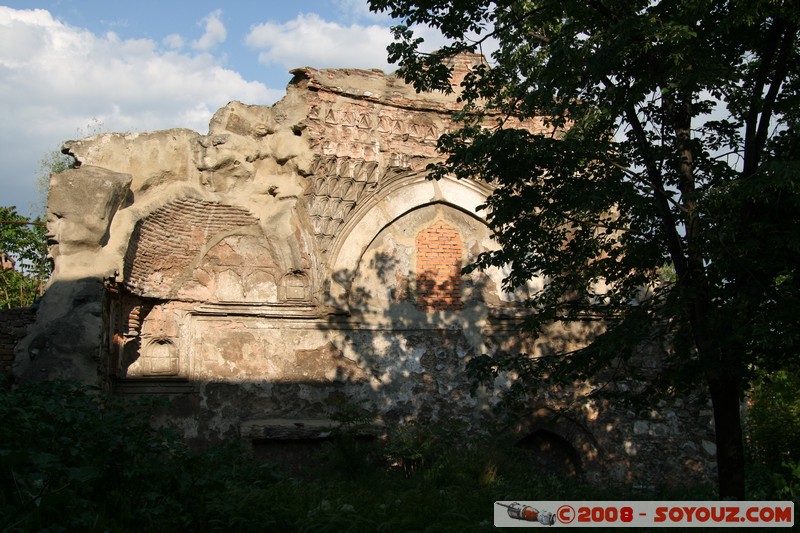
[(439, 258), (166, 241)]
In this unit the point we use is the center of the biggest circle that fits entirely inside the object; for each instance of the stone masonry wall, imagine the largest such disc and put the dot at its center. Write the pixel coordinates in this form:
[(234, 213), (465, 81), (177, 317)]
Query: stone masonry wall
[(14, 324)]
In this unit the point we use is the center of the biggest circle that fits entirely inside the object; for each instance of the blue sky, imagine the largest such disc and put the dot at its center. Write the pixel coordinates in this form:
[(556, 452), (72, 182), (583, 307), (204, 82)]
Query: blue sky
[(156, 64)]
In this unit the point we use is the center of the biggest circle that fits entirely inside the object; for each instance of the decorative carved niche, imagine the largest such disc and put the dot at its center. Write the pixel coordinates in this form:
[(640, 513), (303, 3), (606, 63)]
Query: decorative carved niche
[(160, 358), (296, 288)]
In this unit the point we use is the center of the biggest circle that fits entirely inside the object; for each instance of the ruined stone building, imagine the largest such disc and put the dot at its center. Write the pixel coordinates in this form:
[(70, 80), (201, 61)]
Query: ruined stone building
[(295, 255)]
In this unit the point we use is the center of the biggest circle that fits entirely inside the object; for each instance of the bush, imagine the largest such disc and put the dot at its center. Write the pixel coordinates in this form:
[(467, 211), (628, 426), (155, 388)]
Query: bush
[(73, 458), (773, 427), (64, 446)]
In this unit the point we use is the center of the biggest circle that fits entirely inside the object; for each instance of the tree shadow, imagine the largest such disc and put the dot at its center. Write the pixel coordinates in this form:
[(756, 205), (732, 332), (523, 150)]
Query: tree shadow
[(395, 341)]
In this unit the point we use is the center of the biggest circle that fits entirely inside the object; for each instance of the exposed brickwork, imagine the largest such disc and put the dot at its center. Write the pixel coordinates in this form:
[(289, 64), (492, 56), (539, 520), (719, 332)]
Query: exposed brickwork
[(439, 252), (170, 238), (14, 324)]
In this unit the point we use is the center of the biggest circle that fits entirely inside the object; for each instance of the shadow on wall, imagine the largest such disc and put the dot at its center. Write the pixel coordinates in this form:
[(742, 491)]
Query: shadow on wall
[(398, 346), (65, 342), (448, 315), (401, 364), (14, 323)]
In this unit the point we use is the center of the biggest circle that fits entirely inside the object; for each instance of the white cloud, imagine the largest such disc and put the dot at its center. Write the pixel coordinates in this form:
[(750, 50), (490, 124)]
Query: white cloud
[(215, 32), (354, 10), (55, 78), (174, 41), (310, 40)]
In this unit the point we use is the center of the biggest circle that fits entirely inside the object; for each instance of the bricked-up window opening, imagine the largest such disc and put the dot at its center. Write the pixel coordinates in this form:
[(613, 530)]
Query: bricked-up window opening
[(439, 251)]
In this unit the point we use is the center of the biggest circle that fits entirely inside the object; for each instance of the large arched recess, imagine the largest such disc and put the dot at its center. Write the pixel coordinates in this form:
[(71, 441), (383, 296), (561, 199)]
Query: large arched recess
[(391, 202), (547, 422)]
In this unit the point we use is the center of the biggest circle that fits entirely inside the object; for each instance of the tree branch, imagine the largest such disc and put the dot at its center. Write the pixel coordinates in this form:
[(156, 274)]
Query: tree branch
[(22, 223), (782, 70), (662, 200), (752, 118)]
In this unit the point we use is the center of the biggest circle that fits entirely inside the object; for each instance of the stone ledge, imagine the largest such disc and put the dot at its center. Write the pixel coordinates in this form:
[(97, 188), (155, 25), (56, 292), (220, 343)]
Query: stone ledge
[(259, 310), (300, 428), (144, 386)]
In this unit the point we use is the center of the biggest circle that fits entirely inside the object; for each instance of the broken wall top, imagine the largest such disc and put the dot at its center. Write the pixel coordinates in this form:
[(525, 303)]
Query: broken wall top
[(298, 171), (273, 210)]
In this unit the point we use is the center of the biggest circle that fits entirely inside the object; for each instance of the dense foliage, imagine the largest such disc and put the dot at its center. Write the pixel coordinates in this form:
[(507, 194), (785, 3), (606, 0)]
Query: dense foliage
[(75, 459), (671, 142), (774, 430), (25, 266), (23, 241)]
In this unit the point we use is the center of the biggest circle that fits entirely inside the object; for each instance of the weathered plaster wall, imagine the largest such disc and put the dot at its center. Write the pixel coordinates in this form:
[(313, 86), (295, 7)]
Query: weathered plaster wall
[(297, 254)]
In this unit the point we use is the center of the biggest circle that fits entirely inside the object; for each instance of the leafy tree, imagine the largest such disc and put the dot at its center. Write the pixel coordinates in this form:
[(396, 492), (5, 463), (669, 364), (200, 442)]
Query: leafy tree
[(25, 265), (23, 242), (671, 141)]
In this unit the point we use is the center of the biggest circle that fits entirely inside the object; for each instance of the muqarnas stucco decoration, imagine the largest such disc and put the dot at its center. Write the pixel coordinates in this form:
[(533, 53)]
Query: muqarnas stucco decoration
[(298, 255)]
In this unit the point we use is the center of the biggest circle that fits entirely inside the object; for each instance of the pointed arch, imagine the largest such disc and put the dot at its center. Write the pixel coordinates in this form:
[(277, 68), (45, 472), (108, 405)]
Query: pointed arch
[(393, 201)]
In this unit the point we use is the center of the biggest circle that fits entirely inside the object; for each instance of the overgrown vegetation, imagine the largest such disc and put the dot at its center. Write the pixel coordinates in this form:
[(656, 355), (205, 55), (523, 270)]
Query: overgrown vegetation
[(773, 435), (24, 265), (53, 162), (73, 458)]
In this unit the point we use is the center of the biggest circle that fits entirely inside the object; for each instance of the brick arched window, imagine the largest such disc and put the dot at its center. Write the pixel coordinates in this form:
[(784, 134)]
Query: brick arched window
[(439, 252)]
